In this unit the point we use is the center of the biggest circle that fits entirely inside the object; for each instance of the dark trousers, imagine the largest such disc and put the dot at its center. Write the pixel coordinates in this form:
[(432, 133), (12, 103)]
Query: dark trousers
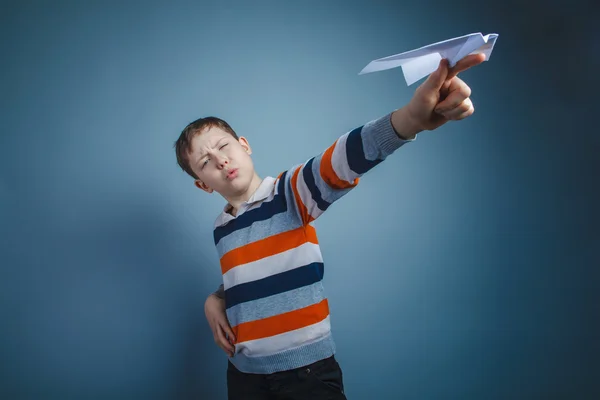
[(319, 381)]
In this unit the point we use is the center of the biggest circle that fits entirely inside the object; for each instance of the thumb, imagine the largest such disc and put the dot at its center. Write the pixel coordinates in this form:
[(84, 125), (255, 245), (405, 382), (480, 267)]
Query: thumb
[(438, 77)]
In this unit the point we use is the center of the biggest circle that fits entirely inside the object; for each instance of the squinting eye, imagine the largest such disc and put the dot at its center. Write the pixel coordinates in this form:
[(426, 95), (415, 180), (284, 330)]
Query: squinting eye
[(223, 146)]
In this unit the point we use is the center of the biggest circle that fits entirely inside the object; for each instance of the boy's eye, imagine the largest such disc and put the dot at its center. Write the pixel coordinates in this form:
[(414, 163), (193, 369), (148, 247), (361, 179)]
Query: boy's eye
[(207, 159)]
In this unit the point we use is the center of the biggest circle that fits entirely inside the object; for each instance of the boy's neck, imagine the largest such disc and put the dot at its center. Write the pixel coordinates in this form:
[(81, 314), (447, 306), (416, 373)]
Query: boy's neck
[(236, 202)]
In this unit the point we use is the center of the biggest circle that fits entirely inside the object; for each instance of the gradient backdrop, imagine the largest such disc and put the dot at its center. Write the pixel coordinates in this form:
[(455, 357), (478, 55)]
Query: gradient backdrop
[(464, 267)]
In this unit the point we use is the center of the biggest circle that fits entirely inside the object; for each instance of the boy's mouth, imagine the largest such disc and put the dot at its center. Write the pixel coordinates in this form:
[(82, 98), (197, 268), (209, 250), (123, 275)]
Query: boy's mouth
[(232, 174)]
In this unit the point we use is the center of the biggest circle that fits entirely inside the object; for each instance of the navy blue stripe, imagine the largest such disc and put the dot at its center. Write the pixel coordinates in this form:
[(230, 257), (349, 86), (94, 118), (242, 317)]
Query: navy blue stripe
[(264, 212), (274, 284), (315, 193), (281, 184), (356, 154)]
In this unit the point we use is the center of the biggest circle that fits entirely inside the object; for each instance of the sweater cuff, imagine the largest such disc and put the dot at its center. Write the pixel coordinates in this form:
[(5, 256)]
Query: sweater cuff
[(385, 136)]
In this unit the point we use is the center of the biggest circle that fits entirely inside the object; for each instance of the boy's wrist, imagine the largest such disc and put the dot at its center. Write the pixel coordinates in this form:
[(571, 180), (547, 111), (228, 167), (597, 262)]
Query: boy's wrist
[(219, 293), (216, 296), (403, 125)]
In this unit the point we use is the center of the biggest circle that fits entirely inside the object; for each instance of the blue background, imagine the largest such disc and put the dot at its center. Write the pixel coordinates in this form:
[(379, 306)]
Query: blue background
[(463, 267)]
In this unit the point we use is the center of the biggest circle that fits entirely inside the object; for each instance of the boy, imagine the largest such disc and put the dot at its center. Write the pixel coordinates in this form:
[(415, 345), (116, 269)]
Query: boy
[(280, 346)]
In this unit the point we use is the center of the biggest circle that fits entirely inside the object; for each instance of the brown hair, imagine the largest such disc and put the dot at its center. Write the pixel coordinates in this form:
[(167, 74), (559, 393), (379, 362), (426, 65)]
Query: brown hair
[(183, 145)]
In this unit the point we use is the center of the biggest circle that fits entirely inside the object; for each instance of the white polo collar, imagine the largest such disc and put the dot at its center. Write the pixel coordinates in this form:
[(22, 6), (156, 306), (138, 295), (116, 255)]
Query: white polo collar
[(263, 191)]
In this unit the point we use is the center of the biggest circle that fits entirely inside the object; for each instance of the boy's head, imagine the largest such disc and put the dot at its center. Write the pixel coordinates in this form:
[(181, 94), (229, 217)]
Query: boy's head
[(210, 151)]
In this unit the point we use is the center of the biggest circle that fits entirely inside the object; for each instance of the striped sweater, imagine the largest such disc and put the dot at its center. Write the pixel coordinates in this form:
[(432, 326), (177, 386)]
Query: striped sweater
[(270, 257)]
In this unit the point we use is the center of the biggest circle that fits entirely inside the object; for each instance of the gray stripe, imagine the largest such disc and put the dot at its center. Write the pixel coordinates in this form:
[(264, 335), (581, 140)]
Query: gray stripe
[(286, 360), (278, 223), (276, 304)]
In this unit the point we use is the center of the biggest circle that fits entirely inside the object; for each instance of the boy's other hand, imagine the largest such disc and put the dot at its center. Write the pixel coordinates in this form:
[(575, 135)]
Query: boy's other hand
[(214, 308), (441, 98)]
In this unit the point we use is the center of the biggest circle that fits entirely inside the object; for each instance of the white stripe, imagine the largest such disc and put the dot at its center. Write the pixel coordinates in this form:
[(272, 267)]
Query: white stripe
[(339, 161), (260, 203), (285, 341), (306, 196), (290, 259)]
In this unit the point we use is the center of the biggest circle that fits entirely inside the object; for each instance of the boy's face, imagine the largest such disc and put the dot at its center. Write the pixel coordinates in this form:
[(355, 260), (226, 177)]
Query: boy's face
[(222, 163)]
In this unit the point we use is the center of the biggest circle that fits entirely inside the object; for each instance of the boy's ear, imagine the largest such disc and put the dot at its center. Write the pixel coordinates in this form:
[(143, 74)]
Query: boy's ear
[(245, 145), (201, 185)]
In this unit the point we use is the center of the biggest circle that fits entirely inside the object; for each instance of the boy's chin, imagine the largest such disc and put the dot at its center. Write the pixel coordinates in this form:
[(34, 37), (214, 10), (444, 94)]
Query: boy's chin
[(234, 190)]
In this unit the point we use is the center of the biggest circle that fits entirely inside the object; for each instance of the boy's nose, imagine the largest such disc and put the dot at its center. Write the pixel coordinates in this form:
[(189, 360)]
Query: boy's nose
[(222, 162)]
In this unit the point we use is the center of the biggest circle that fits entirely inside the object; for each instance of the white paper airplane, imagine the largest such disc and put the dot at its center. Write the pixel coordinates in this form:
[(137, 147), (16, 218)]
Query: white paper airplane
[(421, 62)]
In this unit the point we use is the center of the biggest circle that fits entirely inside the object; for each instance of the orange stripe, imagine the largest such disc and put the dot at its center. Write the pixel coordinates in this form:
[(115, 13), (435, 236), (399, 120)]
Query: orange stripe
[(281, 323), (269, 246), (329, 175), (306, 217)]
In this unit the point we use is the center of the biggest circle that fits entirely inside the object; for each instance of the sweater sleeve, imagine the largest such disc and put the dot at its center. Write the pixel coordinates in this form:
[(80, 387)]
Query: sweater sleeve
[(314, 185), (220, 292)]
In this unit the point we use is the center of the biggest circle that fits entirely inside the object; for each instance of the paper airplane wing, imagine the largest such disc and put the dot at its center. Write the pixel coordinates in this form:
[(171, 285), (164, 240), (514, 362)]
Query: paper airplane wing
[(420, 62)]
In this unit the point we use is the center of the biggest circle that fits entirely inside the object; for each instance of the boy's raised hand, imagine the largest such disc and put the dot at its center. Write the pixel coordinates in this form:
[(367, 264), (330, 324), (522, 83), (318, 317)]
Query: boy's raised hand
[(214, 308), (441, 98)]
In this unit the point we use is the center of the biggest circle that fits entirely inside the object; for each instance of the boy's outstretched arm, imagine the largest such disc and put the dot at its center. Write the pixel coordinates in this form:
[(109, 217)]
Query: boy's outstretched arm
[(313, 186)]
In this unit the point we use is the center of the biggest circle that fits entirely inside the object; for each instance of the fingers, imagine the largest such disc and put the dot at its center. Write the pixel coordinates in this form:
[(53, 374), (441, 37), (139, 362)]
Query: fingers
[(463, 110), (465, 114), (443, 74), (465, 63), (217, 319), (227, 329), (458, 91), (443, 96), (457, 104), (222, 341), (437, 78)]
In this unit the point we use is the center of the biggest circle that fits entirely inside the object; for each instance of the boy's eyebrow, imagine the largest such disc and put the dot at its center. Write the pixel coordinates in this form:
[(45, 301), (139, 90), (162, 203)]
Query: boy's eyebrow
[(202, 154)]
